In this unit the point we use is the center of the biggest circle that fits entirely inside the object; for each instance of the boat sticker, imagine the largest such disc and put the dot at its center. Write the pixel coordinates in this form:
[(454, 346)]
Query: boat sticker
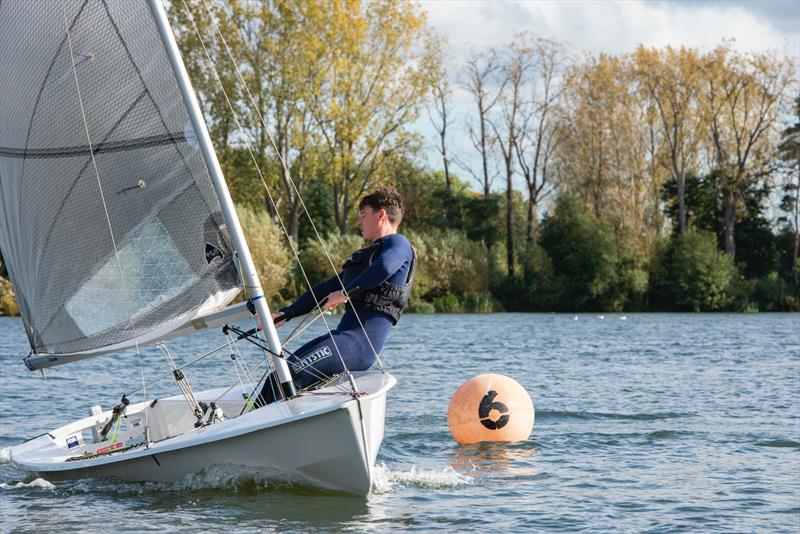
[(212, 252), (72, 442), (110, 448), (487, 405), (310, 359)]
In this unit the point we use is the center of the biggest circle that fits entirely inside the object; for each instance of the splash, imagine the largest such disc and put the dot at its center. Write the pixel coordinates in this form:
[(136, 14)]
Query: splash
[(387, 479), (5, 455), (235, 479), (35, 483)]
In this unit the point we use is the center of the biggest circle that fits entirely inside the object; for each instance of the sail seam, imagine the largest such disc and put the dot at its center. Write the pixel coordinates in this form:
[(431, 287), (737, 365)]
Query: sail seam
[(85, 150)]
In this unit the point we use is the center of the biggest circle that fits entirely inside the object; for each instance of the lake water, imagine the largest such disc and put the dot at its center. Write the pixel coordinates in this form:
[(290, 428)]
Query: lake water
[(653, 422)]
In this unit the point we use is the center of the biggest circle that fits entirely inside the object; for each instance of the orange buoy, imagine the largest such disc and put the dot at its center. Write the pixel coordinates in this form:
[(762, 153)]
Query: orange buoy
[(490, 407)]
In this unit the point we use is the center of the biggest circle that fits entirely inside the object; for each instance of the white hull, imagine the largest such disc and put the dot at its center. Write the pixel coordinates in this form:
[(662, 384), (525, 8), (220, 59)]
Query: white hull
[(325, 438)]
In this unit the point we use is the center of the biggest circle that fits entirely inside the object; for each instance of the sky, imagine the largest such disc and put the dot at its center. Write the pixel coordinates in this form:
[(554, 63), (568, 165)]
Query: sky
[(618, 26), (613, 26)]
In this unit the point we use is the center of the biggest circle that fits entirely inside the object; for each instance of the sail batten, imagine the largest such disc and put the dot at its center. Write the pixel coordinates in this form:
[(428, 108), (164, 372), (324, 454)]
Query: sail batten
[(77, 294)]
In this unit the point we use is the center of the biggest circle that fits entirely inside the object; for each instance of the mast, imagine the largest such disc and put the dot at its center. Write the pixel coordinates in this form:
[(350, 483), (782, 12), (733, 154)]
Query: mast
[(251, 281)]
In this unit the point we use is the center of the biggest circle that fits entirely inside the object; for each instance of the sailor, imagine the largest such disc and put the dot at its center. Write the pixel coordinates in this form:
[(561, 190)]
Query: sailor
[(377, 280)]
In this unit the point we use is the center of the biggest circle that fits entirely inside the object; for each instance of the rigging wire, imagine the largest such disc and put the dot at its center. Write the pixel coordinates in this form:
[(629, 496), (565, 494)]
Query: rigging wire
[(234, 357), (286, 171), (105, 210), (209, 353), (303, 326), (269, 194)]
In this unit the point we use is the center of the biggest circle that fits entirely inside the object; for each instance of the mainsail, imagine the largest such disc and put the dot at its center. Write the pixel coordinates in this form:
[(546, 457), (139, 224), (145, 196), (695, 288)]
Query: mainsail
[(87, 281)]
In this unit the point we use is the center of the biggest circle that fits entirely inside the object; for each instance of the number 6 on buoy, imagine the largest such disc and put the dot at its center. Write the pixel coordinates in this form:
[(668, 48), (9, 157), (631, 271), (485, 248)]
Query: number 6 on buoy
[(490, 407)]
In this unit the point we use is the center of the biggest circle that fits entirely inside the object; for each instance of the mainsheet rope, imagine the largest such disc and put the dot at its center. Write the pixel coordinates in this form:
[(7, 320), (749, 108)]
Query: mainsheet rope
[(285, 169), (105, 211)]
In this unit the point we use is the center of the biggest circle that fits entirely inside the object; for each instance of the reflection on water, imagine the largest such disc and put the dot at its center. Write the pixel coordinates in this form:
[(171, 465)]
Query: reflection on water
[(495, 459)]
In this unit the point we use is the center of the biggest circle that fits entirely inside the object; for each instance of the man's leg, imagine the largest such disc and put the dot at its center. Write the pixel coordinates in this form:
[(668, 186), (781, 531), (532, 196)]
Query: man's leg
[(319, 359)]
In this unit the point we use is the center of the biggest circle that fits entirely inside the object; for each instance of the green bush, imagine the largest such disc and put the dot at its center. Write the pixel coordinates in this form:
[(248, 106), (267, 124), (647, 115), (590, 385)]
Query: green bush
[(8, 303), (583, 254), (742, 295), (477, 302), (420, 306), (540, 286), (271, 256), (773, 294), (448, 262), (315, 260), (700, 274), (447, 304)]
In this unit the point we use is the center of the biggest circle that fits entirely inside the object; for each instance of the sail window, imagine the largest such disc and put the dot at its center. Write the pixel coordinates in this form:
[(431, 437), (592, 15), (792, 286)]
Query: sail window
[(149, 272)]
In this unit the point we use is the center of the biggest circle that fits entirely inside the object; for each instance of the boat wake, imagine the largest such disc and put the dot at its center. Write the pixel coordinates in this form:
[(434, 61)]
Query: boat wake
[(241, 480), (227, 478), (38, 483), (386, 480)]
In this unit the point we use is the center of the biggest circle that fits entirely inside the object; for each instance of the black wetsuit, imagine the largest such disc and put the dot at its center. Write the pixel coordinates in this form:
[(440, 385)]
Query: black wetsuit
[(390, 262)]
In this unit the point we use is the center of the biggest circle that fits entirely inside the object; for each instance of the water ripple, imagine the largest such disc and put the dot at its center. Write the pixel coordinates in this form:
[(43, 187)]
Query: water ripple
[(556, 415)]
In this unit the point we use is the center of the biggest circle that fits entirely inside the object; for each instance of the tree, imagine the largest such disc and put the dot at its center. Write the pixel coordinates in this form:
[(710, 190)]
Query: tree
[(608, 155), (669, 78), (540, 131), (438, 114), (479, 80), (381, 66), (789, 150), (756, 245), (284, 73), (516, 70), (741, 95), (191, 33)]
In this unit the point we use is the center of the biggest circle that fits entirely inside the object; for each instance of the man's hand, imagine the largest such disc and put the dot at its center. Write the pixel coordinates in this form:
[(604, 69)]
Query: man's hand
[(334, 299), (279, 323)]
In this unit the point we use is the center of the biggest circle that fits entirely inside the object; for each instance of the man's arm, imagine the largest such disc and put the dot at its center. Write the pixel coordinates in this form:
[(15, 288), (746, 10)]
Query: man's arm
[(390, 260), (306, 302)]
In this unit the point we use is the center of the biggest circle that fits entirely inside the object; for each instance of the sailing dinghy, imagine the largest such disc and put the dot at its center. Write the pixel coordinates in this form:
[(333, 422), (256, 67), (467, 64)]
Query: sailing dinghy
[(119, 232)]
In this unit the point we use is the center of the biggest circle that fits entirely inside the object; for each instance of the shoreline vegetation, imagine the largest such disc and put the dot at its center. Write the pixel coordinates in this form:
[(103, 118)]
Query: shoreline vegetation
[(662, 179)]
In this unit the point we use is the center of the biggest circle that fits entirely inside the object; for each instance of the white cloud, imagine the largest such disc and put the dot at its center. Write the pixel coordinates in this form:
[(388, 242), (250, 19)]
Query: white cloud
[(608, 26)]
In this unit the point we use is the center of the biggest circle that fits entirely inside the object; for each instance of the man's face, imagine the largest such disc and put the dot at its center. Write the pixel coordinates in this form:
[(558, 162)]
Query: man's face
[(369, 221)]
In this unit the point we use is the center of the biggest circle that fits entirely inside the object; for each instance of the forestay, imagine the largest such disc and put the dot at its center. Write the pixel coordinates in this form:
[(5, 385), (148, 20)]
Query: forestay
[(173, 257)]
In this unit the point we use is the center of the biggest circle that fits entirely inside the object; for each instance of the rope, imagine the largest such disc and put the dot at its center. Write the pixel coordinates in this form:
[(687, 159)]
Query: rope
[(105, 206), (116, 430), (234, 357), (183, 383), (269, 194), (170, 373), (288, 174)]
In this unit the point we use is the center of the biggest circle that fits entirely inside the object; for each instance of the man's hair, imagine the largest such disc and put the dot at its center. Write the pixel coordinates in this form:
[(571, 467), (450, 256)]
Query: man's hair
[(386, 198)]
